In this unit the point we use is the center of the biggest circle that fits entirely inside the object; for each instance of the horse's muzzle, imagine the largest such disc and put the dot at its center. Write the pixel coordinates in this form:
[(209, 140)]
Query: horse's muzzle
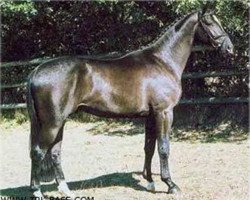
[(227, 47)]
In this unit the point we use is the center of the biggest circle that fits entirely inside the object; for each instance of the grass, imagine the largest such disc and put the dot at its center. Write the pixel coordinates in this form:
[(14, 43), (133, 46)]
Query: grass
[(13, 118)]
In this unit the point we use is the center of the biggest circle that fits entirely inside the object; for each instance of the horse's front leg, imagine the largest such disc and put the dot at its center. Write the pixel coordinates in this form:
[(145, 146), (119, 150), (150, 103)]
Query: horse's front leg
[(163, 127)]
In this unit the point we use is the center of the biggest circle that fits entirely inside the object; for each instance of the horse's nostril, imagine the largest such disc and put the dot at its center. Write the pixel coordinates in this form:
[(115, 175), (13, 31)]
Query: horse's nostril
[(230, 51)]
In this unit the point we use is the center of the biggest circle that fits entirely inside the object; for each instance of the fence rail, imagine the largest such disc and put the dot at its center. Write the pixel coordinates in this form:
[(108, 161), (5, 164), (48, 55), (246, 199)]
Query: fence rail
[(196, 75)]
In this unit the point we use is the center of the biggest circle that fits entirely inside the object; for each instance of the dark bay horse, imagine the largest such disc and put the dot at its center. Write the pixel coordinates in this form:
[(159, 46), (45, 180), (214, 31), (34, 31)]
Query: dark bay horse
[(144, 83)]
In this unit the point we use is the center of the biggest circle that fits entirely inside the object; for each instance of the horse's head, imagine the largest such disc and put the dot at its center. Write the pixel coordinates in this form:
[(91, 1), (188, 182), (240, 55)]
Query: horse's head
[(210, 30)]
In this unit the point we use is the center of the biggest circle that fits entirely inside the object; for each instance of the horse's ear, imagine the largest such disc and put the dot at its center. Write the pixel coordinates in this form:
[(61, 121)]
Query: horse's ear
[(204, 8), (208, 6)]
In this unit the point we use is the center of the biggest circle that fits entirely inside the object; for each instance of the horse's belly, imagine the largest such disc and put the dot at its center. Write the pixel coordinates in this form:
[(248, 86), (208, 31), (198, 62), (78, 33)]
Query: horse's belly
[(114, 105), (110, 112)]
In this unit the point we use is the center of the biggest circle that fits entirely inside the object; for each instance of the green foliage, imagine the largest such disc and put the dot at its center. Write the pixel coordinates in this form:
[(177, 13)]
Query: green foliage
[(24, 10), (186, 6), (24, 7), (59, 28), (234, 14)]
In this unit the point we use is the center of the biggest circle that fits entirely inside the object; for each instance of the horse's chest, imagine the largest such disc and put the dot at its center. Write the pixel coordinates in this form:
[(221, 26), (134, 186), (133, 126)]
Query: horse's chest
[(164, 91)]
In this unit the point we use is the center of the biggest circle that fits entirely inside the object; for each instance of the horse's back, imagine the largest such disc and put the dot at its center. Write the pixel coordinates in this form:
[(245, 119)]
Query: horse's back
[(124, 86)]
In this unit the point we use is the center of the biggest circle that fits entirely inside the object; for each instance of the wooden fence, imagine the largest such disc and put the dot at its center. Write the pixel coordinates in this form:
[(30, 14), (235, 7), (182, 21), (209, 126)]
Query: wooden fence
[(211, 100)]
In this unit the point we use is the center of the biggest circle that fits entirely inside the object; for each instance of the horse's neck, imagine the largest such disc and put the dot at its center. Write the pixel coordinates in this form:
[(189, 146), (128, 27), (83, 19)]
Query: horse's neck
[(176, 45)]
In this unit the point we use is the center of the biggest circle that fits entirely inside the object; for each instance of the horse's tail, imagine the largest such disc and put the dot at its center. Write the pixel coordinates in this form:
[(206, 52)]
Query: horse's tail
[(42, 163), (34, 133)]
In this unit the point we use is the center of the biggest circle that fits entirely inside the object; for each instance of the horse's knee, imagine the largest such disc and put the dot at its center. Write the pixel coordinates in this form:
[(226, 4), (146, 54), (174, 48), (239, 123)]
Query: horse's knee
[(163, 151)]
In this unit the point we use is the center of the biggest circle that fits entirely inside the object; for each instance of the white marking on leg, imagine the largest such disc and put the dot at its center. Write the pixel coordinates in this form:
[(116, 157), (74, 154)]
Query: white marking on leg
[(151, 186), (64, 190), (38, 194)]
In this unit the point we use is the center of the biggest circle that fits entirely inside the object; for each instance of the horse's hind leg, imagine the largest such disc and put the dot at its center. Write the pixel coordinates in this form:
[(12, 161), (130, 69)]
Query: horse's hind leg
[(35, 168), (36, 155), (149, 148), (43, 163), (46, 159), (56, 157)]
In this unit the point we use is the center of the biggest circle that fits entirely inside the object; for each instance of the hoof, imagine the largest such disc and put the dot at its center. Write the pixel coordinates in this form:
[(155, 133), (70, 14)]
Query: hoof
[(64, 190), (151, 187), (174, 190), (38, 194)]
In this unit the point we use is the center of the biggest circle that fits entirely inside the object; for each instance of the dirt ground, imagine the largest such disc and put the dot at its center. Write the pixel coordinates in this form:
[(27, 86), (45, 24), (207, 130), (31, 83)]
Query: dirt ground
[(109, 165)]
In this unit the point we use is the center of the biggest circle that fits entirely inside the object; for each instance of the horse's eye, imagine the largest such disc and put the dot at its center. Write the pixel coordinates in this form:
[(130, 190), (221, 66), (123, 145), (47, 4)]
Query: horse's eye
[(208, 20)]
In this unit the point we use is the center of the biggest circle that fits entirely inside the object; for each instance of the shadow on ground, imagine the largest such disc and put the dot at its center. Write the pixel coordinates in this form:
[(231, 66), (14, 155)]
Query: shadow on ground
[(114, 179), (222, 133), (118, 128)]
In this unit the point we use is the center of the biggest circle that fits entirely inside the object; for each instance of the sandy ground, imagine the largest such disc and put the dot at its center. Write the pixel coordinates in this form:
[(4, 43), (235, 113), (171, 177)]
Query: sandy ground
[(108, 166)]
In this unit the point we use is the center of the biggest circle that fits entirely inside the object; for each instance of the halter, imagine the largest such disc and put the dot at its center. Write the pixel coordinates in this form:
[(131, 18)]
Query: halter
[(212, 38)]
